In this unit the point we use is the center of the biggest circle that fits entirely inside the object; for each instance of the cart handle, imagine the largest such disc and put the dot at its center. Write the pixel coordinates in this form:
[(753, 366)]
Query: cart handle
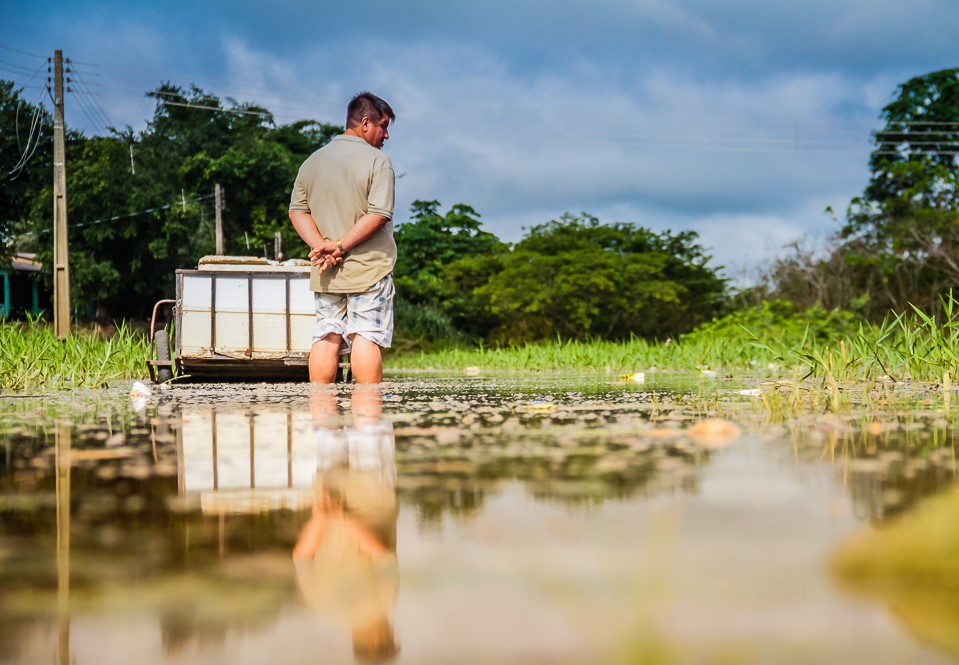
[(153, 319)]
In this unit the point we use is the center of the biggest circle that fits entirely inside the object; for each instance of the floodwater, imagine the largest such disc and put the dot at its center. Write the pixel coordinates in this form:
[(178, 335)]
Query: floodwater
[(467, 520)]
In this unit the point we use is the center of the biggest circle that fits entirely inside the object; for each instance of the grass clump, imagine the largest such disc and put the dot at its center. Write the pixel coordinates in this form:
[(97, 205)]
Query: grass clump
[(773, 339), (31, 357)]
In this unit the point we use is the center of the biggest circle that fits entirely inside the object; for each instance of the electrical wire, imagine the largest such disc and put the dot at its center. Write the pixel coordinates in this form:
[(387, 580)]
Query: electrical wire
[(16, 66), (26, 153), (262, 114), (98, 110), (15, 50), (807, 136), (82, 88), (259, 94), (11, 71), (86, 109), (137, 213)]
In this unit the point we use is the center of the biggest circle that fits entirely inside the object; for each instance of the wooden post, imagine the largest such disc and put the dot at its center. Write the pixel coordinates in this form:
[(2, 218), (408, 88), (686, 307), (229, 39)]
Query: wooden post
[(61, 249), (63, 439), (218, 191)]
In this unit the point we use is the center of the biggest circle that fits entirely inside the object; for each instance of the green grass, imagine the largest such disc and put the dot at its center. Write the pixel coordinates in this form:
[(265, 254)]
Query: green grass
[(913, 346), (32, 358)]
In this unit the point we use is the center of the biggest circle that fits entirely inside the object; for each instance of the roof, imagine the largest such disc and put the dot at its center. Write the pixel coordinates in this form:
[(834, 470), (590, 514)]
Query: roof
[(26, 262)]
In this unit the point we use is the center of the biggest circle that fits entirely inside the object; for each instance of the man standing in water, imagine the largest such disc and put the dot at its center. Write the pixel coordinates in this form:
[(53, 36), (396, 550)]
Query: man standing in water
[(342, 207)]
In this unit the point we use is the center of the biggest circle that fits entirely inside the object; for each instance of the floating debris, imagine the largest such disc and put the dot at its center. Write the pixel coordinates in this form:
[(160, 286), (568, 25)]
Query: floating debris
[(140, 395), (714, 433), (140, 389)]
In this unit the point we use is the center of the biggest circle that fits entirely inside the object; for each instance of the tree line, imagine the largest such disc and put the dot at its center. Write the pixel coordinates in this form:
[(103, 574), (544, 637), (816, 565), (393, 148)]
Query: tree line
[(897, 244), (141, 206)]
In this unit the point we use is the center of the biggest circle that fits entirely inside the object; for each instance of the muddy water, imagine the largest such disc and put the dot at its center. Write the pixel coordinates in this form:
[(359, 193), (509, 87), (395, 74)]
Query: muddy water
[(477, 520)]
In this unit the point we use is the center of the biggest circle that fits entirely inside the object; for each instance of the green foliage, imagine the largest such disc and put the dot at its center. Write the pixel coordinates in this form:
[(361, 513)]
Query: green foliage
[(132, 226), (25, 158), (423, 326), (463, 296), (780, 320), (899, 243), (572, 278), (576, 278), (429, 242)]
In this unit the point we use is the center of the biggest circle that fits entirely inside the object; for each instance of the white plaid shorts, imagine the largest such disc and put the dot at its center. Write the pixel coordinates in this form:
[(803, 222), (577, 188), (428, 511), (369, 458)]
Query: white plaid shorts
[(368, 314)]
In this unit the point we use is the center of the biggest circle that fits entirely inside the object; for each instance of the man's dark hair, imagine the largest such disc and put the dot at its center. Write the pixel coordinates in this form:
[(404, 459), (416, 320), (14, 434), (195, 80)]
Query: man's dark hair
[(366, 104)]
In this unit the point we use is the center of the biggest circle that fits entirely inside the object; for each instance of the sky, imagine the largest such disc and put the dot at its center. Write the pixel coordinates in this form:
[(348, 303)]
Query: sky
[(742, 120)]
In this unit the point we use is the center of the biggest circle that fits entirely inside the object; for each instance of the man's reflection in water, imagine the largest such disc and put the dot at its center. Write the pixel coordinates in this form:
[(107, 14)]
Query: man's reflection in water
[(346, 554)]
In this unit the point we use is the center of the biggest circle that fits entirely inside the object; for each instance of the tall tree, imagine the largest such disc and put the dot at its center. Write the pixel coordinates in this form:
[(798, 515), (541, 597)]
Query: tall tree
[(25, 157), (133, 225), (576, 278), (430, 241), (902, 235)]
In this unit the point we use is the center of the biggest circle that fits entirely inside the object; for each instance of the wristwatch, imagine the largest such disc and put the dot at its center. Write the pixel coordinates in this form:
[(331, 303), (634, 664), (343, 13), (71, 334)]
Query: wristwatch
[(339, 246)]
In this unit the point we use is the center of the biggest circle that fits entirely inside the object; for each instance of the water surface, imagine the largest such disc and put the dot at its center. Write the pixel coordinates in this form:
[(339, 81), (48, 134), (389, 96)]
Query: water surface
[(477, 520)]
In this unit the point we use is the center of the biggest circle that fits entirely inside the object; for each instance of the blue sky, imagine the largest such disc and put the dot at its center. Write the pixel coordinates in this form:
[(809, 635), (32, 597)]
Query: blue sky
[(741, 120)]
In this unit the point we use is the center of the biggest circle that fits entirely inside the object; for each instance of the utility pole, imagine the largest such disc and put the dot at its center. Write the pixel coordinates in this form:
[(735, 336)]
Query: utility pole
[(61, 249), (218, 192)]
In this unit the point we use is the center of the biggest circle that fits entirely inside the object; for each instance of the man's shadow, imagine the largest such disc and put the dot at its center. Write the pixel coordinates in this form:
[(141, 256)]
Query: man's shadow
[(345, 557)]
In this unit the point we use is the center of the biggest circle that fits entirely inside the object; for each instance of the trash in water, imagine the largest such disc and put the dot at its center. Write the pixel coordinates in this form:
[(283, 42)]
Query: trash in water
[(714, 433)]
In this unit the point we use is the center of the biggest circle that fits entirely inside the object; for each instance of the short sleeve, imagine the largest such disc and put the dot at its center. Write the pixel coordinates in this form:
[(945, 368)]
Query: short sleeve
[(381, 188), (299, 200)]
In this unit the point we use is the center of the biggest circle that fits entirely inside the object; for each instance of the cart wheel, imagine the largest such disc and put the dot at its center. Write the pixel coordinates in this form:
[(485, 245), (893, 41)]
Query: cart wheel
[(162, 340)]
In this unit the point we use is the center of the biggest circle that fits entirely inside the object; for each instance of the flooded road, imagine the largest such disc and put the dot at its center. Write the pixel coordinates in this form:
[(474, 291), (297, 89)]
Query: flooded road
[(471, 520)]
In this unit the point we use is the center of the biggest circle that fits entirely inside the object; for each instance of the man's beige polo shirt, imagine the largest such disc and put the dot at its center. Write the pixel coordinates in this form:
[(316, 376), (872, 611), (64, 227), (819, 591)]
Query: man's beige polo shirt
[(339, 183)]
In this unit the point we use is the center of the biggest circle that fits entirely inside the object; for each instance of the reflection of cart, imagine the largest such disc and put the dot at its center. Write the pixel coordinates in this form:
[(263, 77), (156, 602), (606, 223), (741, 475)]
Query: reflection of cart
[(237, 317), (246, 460)]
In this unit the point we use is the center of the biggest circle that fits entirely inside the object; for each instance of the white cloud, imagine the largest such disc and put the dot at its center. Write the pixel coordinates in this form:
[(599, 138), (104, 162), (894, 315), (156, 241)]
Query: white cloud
[(472, 131), (659, 147)]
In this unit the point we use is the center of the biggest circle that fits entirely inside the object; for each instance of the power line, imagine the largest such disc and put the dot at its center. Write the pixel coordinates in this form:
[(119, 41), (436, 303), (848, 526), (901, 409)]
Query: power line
[(24, 156), (741, 136), (25, 69), (15, 50), (35, 72), (234, 94), (919, 121), (96, 105), (86, 109), (128, 215), (26, 153), (158, 93), (262, 114), (13, 72), (32, 87), (836, 127)]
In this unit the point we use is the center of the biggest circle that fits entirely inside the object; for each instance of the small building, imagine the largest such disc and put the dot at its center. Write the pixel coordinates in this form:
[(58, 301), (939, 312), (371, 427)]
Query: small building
[(20, 286)]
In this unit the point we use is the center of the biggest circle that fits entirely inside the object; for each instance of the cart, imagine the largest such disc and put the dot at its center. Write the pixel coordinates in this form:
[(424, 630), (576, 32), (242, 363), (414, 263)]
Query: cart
[(237, 318)]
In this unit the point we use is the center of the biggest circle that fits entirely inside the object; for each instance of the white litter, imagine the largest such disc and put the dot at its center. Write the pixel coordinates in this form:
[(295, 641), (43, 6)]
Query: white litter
[(140, 389), (140, 395)]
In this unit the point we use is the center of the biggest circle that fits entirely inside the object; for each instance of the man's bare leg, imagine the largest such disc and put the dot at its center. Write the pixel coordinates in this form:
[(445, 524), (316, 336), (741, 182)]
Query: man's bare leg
[(325, 359), (366, 361)]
